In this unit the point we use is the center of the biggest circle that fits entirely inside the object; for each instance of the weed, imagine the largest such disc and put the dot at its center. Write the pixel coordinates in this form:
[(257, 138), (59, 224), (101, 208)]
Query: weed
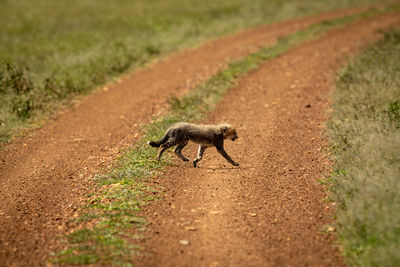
[(15, 82), (394, 112)]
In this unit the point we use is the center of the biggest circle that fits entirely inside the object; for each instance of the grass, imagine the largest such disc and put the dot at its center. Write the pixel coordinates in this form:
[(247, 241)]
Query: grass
[(111, 223), (51, 51), (365, 139)]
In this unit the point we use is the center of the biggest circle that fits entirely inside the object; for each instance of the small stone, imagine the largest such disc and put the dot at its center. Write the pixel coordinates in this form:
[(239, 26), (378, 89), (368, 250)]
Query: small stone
[(253, 214), (190, 228), (184, 242), (330, 229)]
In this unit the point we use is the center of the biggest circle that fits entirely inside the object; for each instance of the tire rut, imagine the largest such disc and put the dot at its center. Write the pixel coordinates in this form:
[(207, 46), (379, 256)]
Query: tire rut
[(271, 210), (43, 176)]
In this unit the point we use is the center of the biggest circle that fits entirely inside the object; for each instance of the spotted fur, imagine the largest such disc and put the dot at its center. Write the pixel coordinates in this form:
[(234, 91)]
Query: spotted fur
[(206, 136)]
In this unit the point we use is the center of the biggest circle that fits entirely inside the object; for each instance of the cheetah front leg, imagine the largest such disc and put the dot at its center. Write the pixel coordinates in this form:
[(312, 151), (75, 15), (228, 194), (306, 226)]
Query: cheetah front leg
[(222, 151), (178, 151)]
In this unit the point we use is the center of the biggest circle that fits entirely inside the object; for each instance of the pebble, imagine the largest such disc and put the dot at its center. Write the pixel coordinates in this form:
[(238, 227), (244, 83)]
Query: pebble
[(184, 242), (330, 229)]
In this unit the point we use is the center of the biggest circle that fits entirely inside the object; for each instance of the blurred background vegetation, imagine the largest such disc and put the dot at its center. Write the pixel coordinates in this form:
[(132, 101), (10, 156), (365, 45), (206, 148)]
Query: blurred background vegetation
[(365, 139), (51, 51)]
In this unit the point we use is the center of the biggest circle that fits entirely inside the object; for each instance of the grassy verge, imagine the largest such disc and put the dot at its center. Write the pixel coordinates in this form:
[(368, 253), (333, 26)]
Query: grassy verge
[(365, 139), (51, 51), (106, 231)]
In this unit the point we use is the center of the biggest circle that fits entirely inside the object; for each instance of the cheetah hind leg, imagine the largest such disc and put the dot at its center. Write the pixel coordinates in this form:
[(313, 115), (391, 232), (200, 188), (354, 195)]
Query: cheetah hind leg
[(178, 151)]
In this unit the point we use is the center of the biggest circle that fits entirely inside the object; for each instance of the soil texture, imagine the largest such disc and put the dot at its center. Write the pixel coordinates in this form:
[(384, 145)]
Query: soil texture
[(269, 210)]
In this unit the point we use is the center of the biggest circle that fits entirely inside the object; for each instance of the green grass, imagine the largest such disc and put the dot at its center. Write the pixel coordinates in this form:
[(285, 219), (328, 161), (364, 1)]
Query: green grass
[(108, 228), (365, 139), (51, 51)]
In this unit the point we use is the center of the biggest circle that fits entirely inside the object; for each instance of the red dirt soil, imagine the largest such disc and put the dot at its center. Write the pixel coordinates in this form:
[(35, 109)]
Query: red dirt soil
[(271, 211), (43, 177)]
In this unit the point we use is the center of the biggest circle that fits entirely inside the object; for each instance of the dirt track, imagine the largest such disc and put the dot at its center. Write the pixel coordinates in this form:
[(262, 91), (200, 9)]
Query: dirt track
[(269, 210)]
